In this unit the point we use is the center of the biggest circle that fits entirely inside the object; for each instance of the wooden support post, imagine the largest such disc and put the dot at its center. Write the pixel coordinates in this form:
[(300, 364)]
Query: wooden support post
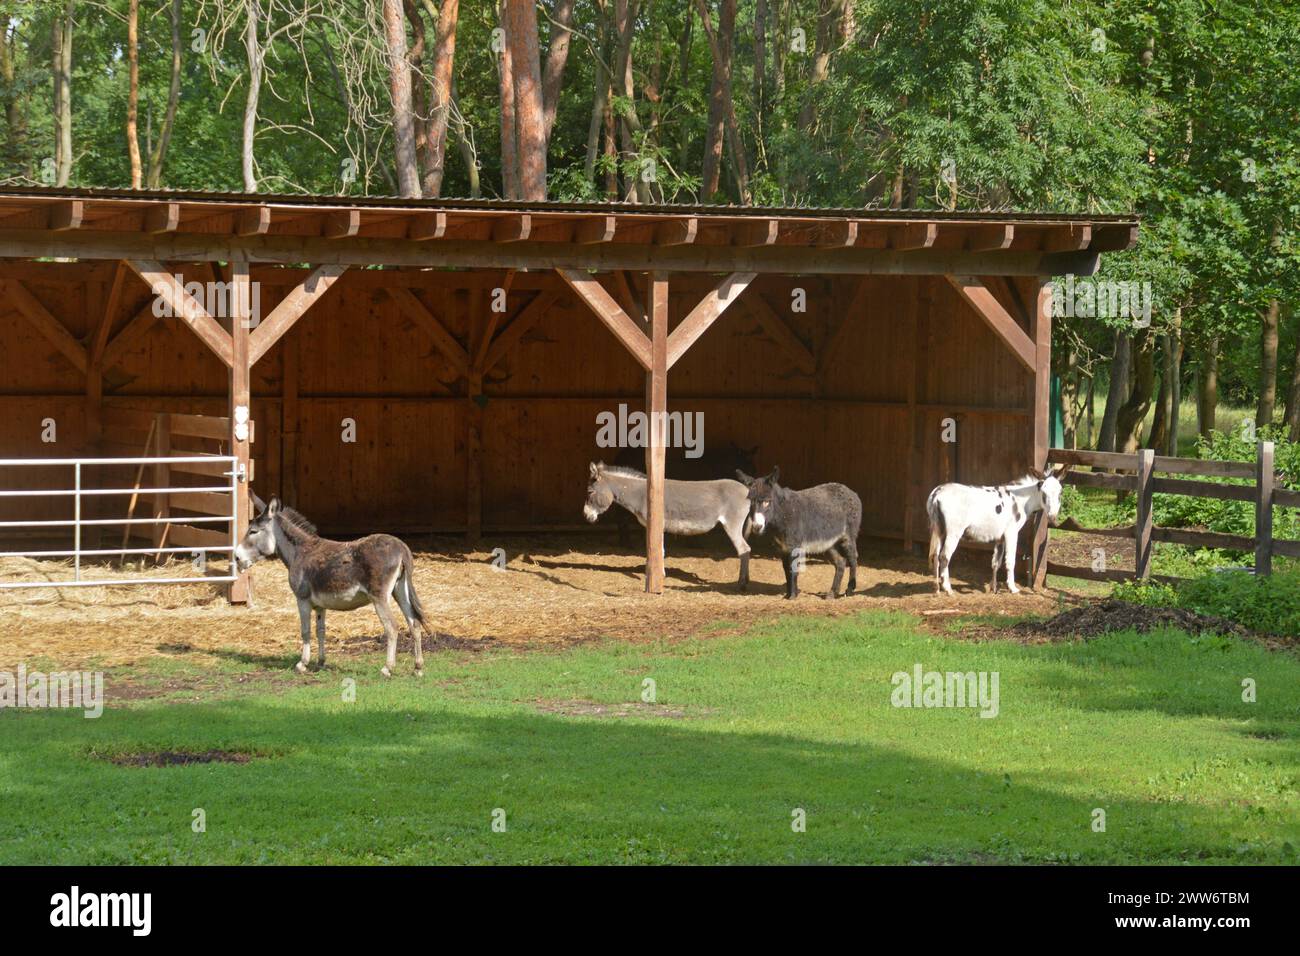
[(1142, 528), (657, 409), (289, 420), (1264, 508), (162, 476), (1040, 331), (241, 590), (474, 420), (912, 291)]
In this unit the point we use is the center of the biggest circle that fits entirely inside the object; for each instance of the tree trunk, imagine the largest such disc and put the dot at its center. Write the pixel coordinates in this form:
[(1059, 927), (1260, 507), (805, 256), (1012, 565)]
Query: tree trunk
[(1118, 389), (399, 85), (133, 92), (1175, 380), (1267, 365), (253, 52), (441, 99), (1159, 437), (1069, 376), (715, 129), (1293, 396), (557, 55), (629, 121), (62, 69), (509, 145), (159, 154), (1128, 421), (15, 144), (760, 55), (830, 24), (526, 69), (466, 148), (1207, 392)]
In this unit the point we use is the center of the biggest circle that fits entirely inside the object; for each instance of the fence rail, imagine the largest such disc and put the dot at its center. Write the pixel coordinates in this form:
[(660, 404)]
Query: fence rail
[(1139, 472), (208, 496)]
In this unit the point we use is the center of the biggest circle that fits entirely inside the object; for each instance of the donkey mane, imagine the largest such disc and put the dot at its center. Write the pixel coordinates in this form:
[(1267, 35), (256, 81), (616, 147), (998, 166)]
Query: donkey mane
[(295, 519), (623, 470)]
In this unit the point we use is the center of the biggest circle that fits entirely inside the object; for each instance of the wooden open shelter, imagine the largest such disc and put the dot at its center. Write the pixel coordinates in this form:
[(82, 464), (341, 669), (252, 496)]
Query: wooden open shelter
[(419, 366)]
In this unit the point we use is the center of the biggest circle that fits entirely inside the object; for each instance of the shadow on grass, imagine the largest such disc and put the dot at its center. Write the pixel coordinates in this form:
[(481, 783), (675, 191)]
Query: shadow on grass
[(407, 776)]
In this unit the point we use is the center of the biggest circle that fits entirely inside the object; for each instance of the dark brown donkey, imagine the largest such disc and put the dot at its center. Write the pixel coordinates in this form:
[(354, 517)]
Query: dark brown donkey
[(329, 575)]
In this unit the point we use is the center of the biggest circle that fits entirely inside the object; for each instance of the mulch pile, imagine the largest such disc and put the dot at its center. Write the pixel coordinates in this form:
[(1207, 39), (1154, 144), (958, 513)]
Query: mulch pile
[(1091, 620)]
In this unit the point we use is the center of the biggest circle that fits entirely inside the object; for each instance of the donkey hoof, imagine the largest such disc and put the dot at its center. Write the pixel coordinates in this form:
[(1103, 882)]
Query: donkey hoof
[(300, 667), (385, 671), (419, 672)]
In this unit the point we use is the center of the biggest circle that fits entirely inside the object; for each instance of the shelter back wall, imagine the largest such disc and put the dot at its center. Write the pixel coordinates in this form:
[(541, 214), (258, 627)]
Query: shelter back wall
[(854, 390)]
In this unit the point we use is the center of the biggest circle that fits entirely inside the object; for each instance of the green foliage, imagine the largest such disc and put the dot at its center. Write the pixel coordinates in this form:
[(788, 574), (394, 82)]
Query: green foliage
[(1267, 604), (1235, 517)]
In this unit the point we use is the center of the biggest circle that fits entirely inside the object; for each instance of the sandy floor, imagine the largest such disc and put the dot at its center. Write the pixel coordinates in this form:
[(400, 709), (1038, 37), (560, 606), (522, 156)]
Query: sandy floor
[(555, 590)]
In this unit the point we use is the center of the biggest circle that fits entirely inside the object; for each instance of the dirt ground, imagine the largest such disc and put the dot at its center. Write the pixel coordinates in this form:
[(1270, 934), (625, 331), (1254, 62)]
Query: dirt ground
[(555, 590)]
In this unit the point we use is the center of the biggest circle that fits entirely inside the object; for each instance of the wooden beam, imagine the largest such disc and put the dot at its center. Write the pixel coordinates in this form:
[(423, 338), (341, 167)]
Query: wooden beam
[(837, 235), (164, 217), (990, 238), (760, 232), (1067, 238), (920, 235), (777, 330), (130, 334), (676, 232), (512, 228), (590, 291), (596, 229), (184, 306), (431, 225), (444, 340), (705, 313), (988, 308), (343, 224), (252, 221), (657, 409), (29, 244), (510, 337), (291, 308), (66, 215), (1114, 238), (45, 323), (1040, 327)]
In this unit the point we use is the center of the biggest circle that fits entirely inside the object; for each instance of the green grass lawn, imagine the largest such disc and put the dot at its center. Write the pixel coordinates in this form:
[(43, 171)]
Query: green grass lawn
[(744, 731)]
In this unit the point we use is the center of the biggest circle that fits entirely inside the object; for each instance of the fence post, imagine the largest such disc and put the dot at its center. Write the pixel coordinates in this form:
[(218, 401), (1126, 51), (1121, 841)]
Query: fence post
[(1264, 508), (1146, 458)]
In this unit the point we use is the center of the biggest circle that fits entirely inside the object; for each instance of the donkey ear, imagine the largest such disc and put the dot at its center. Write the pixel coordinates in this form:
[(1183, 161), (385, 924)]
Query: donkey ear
[(1037, 473), (743, 478), (1060, 471), (776, 473), (274, 507), (258, 503), (595, 469)]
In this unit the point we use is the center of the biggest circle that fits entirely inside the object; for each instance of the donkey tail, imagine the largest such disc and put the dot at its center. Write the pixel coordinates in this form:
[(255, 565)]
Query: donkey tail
[(408, 582), (938, 526)]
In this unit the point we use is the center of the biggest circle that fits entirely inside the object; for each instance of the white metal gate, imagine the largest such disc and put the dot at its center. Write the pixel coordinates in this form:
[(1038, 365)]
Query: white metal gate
[(77, 492)]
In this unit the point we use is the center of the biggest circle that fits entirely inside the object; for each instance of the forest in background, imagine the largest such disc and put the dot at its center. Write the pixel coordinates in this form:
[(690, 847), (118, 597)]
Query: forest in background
[(1186, 112)]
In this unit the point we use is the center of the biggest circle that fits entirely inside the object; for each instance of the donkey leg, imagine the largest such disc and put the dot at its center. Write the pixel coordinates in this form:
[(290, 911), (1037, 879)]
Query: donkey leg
[(997, 563), (742, 551), (1009, 551), (792, 577), (850, 551), (320, 636), (949, 549), (304, 626), (401, 591), (839, 574), (390, 631)]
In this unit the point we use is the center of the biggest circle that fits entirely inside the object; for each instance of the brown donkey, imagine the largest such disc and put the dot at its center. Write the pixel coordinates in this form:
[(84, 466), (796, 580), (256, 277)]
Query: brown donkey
[(329, 575)]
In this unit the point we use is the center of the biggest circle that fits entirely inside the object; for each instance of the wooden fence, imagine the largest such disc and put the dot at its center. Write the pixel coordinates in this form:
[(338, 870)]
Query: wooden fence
[(144, 432), (1145, 473)]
